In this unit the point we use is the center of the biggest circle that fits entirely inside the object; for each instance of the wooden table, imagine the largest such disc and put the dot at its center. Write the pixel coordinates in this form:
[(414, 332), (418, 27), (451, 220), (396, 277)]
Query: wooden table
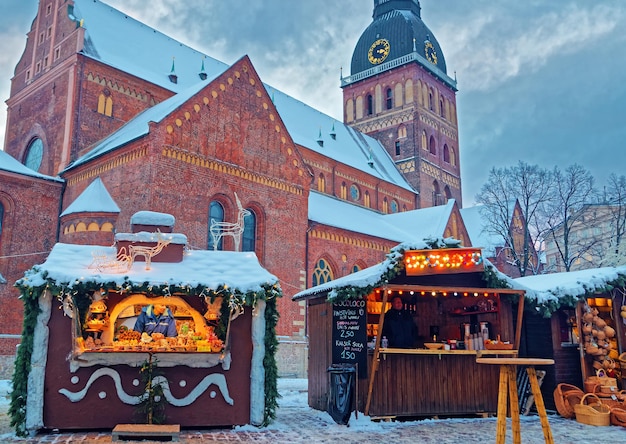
[(508, 387)]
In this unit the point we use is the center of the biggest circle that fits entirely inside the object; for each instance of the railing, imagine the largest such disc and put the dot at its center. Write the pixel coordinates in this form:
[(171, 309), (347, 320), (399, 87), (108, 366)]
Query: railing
[(412, 57)]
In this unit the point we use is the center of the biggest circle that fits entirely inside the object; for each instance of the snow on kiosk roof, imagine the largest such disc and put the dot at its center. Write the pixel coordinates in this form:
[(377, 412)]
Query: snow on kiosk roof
[(364, 281), (69, 265)]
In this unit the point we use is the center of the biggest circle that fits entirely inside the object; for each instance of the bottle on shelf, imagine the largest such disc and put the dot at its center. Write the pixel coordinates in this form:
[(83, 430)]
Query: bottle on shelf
[(384, 343)]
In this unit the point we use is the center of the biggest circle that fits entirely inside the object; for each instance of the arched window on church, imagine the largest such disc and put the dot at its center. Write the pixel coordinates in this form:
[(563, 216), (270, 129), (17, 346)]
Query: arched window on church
[(370, 104), (447, 193), (436, 194), (321, 184), (322, 273), (216, 213), (432, 147), (446, 153), (424, 140), (452, 157), (248, 238), (431, 101), (366, 199), (389, 98), (441, 108), (343, 191), (385, 206), (394, 206), (397, 147), (105, 105), (402, 132)]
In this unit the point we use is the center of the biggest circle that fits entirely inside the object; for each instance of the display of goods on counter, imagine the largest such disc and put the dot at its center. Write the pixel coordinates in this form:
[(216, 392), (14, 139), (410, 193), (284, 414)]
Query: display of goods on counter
[(600, 345), (130, 340)]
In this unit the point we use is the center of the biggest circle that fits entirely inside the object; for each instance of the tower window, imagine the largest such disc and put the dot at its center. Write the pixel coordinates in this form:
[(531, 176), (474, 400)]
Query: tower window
[(446, 154), (370, 105), (389, 99), (397, 147), (432, 146)]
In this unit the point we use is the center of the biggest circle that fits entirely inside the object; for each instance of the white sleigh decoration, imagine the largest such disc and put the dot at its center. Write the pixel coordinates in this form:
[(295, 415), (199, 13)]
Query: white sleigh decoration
[(220, 229)]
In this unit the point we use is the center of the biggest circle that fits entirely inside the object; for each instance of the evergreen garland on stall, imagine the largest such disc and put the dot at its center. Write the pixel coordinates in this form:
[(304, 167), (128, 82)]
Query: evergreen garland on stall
[(80, 293), (19, 393)]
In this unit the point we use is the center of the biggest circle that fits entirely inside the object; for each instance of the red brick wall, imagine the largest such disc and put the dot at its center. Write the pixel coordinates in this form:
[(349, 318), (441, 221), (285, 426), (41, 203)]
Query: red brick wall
[(28, 234)]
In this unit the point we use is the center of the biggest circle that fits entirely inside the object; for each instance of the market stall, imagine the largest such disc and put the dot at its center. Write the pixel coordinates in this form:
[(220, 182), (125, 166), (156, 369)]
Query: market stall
[(461, 308), (585, 316), (82, 363)]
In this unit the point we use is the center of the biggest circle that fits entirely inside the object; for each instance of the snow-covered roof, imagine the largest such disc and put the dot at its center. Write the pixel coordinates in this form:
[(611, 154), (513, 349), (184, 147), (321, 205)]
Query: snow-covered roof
[(398, 227), (307, 125), (94, 199), (10, 164), (117, 40), (152, 218), (573, 284), (374, 276), (71, 265), (477, 228)]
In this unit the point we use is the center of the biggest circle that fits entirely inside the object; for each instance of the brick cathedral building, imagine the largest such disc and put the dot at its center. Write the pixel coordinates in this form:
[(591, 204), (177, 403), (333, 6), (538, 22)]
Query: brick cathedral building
[(107, 117)]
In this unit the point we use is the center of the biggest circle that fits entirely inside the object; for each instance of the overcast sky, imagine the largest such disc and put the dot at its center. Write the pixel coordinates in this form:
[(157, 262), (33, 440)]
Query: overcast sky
[(542, 81)]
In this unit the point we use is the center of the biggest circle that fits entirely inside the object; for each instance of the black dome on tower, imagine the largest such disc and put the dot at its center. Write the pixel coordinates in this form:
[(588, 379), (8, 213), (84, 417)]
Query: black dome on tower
[(400, 30)]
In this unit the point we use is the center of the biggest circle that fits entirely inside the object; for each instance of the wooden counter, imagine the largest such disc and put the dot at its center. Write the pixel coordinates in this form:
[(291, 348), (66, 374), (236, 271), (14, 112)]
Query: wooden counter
[(422, 382)]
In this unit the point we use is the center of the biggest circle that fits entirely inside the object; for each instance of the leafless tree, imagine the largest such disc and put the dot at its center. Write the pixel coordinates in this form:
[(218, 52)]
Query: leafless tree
[(528, 185), (615, 197), (570, 206)]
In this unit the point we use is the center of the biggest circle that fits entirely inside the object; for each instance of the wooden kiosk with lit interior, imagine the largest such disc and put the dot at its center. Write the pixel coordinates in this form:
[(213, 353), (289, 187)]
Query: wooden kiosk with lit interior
[(444, 290)]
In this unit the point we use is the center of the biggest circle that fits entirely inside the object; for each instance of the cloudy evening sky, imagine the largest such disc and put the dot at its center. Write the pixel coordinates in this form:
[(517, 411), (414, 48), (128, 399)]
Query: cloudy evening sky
[(542, 81)]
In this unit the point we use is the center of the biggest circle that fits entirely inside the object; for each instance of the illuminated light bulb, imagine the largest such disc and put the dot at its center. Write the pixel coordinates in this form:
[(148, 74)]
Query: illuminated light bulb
[(486, 294), (400, 292), (423, 293), (412, 292), (475, 294), (464, 294), (455, 293), (433, 293), (445, 293), (388, 291)]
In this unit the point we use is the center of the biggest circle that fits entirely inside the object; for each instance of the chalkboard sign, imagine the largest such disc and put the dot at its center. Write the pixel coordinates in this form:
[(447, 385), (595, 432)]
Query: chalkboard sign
[(350, 334)]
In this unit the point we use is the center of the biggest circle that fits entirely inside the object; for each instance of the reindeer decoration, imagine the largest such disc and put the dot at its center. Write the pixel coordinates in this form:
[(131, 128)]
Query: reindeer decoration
[(220, 229)]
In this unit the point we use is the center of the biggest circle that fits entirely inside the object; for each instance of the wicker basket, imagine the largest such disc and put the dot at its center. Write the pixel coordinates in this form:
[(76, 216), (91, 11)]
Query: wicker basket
[(566, 396), (596, 414), (618, 416), (617, 399)]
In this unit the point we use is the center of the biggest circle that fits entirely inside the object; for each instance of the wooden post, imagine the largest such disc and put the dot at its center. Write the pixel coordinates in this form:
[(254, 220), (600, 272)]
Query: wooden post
[(520, 317), (375, 356), (541, 408)]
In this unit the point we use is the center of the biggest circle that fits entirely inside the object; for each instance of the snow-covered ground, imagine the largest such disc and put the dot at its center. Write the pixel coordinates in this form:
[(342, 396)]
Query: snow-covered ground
[(297, 423)]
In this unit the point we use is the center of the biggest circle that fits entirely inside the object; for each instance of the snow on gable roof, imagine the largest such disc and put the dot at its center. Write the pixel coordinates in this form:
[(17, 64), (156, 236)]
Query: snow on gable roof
[(572, 284), (124, 43), (399, 227), (139, 126), (10, 164), (307, 125), (69, 265), (94, 199), (476, 225)]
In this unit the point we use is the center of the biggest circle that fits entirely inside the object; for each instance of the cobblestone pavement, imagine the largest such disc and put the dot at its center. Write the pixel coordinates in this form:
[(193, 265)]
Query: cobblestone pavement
[(297, 423)]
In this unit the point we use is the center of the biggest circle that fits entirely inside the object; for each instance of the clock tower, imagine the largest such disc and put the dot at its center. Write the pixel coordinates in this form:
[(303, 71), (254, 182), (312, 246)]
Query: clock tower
[(399, 92)]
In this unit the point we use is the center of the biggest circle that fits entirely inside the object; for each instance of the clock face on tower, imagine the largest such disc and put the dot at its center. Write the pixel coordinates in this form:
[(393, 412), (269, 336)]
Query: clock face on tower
[(431, 54), (378, 52)]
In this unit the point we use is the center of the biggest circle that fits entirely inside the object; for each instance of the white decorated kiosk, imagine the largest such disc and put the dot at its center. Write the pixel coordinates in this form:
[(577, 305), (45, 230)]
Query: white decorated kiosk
[(81, 366)]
